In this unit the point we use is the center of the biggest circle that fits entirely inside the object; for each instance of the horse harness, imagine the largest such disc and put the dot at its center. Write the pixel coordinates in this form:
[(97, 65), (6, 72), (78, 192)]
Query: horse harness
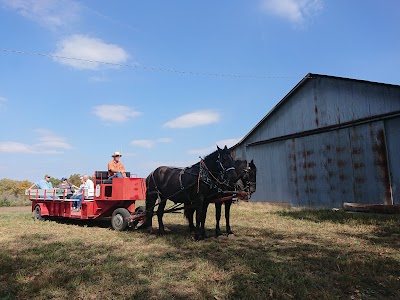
[(204, 175)]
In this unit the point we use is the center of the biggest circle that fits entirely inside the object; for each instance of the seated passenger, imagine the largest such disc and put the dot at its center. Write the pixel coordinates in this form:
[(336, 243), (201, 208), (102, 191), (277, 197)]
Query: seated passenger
[(44, 184), (89, 185), (115, 168), (76, 205), (65, 185)]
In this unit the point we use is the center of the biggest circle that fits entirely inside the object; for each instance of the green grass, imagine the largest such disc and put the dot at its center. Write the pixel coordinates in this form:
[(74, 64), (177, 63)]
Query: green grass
[(276, 253)]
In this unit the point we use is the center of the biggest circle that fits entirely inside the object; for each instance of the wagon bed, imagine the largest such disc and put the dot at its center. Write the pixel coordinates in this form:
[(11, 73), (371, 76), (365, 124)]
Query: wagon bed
[(111, 198)]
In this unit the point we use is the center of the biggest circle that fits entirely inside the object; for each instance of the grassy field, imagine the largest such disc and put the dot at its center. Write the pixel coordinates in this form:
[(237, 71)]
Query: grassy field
[(276, 253)]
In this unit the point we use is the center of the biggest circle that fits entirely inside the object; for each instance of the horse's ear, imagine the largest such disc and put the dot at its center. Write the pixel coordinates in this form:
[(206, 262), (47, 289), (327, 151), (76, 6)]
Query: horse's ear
[(252, 162), (219, 149), (226, 148)]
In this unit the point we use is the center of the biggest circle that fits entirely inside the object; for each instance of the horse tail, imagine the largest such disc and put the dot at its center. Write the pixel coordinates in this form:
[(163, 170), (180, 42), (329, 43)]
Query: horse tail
[(188, 211), (151, 185)]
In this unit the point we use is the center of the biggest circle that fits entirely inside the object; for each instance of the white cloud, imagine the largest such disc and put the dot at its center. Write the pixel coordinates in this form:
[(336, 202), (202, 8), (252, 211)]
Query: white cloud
[(15, 147), (47, 139), (144, 143), (295, 11), (49, 143), (48, 13), (82, 48), (165, 140), (197, 118), (150, 143), (207, 150), (115, 113)]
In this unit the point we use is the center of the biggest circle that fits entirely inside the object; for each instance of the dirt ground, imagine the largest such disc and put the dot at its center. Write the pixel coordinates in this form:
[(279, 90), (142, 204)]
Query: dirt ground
[(16, 209)]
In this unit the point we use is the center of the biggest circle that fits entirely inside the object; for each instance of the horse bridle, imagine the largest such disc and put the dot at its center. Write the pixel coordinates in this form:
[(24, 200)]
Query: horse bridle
[(224, 171), (249, 183)]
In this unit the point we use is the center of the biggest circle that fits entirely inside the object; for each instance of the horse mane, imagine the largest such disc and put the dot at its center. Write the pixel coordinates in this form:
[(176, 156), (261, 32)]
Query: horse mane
[(212, 154)]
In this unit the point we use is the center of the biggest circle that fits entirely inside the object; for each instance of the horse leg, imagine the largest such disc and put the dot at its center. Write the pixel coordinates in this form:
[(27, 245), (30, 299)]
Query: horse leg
[(160, 214), (199, 219), (189, 212), (227, 216), (151, 199), (218, 207), (203, 223)]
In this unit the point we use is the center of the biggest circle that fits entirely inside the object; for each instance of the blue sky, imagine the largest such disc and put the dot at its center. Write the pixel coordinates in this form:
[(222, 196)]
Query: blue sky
[(154, 101)]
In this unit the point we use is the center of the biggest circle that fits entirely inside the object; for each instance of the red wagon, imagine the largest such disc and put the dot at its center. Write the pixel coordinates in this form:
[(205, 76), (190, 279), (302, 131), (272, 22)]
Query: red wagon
[(115, 199)]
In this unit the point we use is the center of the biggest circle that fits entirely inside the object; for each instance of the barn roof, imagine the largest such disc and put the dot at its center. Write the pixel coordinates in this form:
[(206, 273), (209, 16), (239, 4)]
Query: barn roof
[(301, 83)]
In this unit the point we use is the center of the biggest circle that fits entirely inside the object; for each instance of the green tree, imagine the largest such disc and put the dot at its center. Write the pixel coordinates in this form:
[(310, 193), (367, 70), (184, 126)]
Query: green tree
[(74, 179), (12, 192), (55, 181)]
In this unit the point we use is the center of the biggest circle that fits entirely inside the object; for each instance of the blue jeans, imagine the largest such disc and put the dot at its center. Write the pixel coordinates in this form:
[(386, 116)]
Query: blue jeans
[(116, 175), (76, 204)]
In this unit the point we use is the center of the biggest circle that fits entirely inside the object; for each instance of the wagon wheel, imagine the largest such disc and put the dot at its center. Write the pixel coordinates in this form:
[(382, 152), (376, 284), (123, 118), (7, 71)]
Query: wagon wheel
[(120, 219), (37, 213), (139, 211)]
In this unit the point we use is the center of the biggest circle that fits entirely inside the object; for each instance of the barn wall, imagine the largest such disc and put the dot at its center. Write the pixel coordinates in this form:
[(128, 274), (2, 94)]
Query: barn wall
[(325, 101), (392, 129), (272, 179), (324, 170)]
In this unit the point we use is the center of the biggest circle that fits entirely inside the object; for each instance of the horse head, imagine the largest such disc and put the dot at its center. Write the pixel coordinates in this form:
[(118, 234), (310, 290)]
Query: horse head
[(246, 176), (226, 165), (252, 177)]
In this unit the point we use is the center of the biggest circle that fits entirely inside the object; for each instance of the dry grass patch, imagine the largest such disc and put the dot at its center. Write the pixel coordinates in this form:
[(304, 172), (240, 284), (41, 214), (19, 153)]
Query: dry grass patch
[(276, 253)]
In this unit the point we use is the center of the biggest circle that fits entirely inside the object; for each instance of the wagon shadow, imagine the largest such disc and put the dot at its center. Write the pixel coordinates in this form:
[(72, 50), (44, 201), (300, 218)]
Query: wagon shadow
[(47, 269), (101, 223)]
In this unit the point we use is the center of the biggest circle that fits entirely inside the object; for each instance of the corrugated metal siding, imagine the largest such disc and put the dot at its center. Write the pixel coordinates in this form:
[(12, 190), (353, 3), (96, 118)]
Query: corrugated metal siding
[(392, 129), (325, 101), (354, 164), (272, 180), (324, 170), (239, 152)]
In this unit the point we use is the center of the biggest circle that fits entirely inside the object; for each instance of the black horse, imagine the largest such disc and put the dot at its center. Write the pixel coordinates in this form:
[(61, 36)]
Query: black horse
[(246, 182), (191, 185)]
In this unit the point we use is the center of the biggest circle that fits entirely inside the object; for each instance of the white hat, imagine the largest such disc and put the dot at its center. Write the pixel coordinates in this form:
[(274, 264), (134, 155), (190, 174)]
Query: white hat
[(116, 153)]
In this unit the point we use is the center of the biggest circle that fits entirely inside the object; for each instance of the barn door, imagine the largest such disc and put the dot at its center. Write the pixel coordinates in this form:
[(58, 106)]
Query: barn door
[(392, 128)]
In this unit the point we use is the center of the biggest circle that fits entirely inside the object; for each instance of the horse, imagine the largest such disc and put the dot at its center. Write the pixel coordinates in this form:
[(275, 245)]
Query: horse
[(246, 182), (190, 185)]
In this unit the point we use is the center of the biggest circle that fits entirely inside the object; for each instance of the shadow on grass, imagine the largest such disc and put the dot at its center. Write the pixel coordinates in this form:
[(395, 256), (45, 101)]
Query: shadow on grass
[(101, 223), (265, 266), (340, 217), (41, 268), (256, 264)]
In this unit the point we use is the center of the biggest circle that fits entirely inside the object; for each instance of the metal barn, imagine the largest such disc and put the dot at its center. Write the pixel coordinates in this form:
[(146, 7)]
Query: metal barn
[(330, 140)]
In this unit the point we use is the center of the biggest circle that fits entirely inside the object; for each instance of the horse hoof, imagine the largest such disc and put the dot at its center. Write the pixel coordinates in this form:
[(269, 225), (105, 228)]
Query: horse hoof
[(161, 233), (218, 233), (229, 232), (198, 237)]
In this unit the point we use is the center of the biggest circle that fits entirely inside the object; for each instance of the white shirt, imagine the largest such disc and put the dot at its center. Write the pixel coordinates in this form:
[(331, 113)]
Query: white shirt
[(89, 185)]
